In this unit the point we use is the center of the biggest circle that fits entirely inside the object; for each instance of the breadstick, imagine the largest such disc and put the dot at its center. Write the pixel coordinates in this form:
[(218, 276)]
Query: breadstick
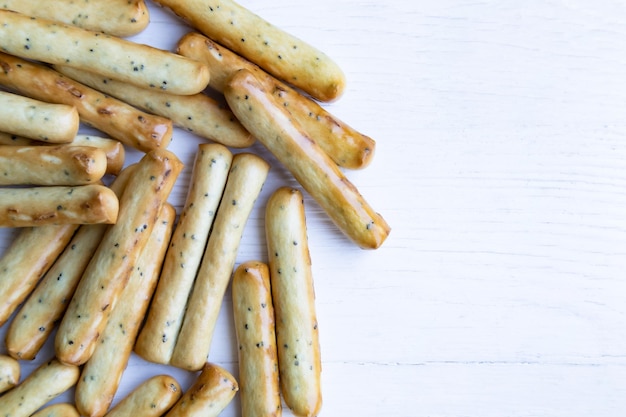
[(293, 295), (51, 165), (150, 399), (197, 113), (271, 48), (47, 382), (40, 206), (254, 327), (211, 392), (10, 372), (344, 144), (38, 315), (113, 149), (102, 373), (26, 260), (117, 119), (245, 180), (272, 125), (138, 64), (107, 273), (36, 119), (115, 17), (158, 336), (57, 410)]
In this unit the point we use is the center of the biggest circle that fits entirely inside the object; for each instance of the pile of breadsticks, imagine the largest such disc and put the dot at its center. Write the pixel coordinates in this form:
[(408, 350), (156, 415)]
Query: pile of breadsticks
[(103, 261)]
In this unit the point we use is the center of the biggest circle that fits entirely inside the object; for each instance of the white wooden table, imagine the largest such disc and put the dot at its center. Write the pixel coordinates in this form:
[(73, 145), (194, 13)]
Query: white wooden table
[(501, 167)]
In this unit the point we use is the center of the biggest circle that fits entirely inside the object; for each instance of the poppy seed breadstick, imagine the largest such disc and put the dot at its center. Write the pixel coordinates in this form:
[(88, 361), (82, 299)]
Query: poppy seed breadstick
[(271, 48), (142, 65), (250, 99), (119, 120), (40, 206), (115, 17), (293, 295), (245, 180), (196, 113), (158, 336), (46, 382), (101, 375), (51, 165), (36, 119), (26, 260), (151, 398), (253, 315), (37, 316), (345, 145), (107, 273), (213, 389)]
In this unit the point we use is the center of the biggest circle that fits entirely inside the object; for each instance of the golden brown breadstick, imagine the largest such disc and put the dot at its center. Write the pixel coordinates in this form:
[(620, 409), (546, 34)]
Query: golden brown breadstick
[(57, 410), (254, 327), (345, 145), (245, 180), (36, 119), (10, 372), (293, 295), (113, 149), (26, 260), (51, 165), (138, 64), (211, 392), (150, 399), (36, 318), (276, 51), (272, 125), (115, 17), (47, 382), (117, 119), (108, 271), (158, 336), (101, 375), (197, 113), (40, 206)]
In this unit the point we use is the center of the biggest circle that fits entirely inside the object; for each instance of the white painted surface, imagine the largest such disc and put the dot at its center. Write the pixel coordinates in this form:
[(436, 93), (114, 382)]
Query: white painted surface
[(501, 167)]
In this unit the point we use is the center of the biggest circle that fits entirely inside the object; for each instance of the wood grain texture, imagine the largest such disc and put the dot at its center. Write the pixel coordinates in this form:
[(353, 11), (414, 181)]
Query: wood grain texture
[(501, 168)]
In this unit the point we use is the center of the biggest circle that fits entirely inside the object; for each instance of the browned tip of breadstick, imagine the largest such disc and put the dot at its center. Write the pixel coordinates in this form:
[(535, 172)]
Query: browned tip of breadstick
[(114, 150), (212, 391)]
